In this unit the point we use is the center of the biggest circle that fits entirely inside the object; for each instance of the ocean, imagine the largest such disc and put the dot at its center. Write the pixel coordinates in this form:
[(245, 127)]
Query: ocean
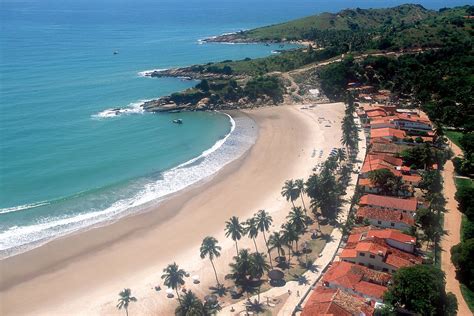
[(66, 163)]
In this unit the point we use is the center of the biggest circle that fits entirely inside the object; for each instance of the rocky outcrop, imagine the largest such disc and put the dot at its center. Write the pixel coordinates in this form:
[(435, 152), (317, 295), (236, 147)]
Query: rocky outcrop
[(197, 72)]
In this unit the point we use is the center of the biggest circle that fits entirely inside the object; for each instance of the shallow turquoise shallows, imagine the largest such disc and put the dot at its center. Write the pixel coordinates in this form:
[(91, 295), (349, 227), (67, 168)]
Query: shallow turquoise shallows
[(66, 163)]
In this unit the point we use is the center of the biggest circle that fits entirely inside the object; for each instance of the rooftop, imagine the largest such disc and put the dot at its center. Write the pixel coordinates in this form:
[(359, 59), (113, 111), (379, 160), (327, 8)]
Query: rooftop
[(326, 301), (389, 202), (387, 233), (387, 132), (385, 215)]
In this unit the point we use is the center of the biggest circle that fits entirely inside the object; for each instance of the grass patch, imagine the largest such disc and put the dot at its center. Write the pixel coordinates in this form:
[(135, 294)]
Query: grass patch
[(454, 137), (463, 183), (468, 296)]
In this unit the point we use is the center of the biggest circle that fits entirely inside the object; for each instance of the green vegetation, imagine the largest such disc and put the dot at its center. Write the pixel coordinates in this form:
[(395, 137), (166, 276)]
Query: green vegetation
[(421, 289), (221, 91), (454, 136), (386, 181), (125, 299), (468, 296)]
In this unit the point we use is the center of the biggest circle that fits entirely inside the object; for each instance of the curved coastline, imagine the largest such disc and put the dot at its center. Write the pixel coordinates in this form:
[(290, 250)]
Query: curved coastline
[(196, 170)]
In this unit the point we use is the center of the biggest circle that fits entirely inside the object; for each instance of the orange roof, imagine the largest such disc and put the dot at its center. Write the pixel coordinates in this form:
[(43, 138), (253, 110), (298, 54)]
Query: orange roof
[(376, 113), (414, 178), (352, 276), (326, 301), (365, 182), (387, 158), (386, 233), (348, 253), (385, 215), (387, 132), (389, 202), (413, 118), (391, 255), (388, 148)]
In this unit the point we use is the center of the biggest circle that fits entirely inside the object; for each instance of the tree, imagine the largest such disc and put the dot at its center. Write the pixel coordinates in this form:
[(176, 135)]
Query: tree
[(465, 198), (251, 229), (190, 305), (290, 191), (125, 299), (276, 241), (264, 221), (386, 181), (235, 230), (258, 267), (299, 183), (462, 256), (420, 289), (289, 236), (174, 277), (209, 248)]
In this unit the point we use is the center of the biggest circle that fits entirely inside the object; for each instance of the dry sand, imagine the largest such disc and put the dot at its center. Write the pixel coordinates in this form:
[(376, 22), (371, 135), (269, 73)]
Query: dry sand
[(83, 273)]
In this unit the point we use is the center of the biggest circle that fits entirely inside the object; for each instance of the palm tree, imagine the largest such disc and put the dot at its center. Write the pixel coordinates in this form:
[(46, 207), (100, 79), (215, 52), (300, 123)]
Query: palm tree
[(289, 236), (290, 191), (174, 277), (190, 305), (264, 221), (299, 183), (277, 241), (340, 155), (125, 299), (209, 248), (297, 219), (235, 230), (258, 267), (251, 230)]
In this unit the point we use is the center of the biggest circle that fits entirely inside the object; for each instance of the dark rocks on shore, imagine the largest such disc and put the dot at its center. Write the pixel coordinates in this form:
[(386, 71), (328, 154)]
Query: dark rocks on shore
[(187, 73)]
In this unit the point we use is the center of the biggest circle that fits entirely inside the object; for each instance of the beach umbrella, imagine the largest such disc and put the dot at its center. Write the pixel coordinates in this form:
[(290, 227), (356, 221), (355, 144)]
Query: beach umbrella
[(195, 279), (276, 275), (170, 293)]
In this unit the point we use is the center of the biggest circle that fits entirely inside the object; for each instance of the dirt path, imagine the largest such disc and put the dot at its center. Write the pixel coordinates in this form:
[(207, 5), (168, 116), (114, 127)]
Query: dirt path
[(452, 226)]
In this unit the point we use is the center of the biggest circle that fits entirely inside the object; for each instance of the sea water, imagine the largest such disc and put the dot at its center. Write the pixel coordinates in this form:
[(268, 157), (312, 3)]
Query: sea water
[(68, 158)]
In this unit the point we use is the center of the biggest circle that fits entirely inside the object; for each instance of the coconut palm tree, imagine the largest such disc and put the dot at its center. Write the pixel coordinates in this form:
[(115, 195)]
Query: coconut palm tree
[(276, 241), (290, 191), (258, 268), (235, 230), (125, 299), (190, 305), (289, 235), (174, 277), (299, 183), (297, 219), (251, 229), (264, 221), (209, 248)]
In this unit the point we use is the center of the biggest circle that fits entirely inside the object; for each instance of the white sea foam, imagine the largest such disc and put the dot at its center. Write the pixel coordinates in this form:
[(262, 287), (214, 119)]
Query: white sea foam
[(132, 108), (22, 207), (147, 73), (242, 135)]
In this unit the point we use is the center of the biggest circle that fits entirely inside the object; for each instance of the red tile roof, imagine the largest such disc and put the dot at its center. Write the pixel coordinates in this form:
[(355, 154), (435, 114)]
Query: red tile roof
[(326, 301), (355, 277), (376, 113), (385, 215), (387, 158), (386, 233), (387, 148), (389, 202), (387, 132), (391, 256), (413, 178)]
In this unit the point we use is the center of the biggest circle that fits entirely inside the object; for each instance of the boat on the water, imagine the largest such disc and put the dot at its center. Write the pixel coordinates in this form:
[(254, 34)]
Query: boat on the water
[(178, 121)]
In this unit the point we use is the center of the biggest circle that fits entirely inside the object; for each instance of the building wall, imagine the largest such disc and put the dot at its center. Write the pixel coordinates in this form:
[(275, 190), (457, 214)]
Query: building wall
[(388, 224)]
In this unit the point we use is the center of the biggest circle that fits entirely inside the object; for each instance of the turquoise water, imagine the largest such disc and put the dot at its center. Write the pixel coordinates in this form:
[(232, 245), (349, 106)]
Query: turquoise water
[(64, 164)]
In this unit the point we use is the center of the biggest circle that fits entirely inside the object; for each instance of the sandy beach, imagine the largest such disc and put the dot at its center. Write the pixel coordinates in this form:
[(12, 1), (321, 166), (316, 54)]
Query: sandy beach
[(83, 274)]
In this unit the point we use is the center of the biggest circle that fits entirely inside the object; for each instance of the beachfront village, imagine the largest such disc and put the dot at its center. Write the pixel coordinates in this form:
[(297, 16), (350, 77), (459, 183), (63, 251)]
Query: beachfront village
[(362, 236)]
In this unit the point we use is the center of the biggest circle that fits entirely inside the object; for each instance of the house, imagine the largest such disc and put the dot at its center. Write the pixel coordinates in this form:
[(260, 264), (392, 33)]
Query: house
[(368, 187), (407, 206), (326, 301), (412, 122), (388, 133), (376, 254), (357, 280), (387, 148), (392, 237), (385, 218)]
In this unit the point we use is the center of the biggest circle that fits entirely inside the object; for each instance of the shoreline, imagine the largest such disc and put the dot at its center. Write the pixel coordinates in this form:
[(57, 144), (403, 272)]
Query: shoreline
[(131, 252), (219, 151)]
